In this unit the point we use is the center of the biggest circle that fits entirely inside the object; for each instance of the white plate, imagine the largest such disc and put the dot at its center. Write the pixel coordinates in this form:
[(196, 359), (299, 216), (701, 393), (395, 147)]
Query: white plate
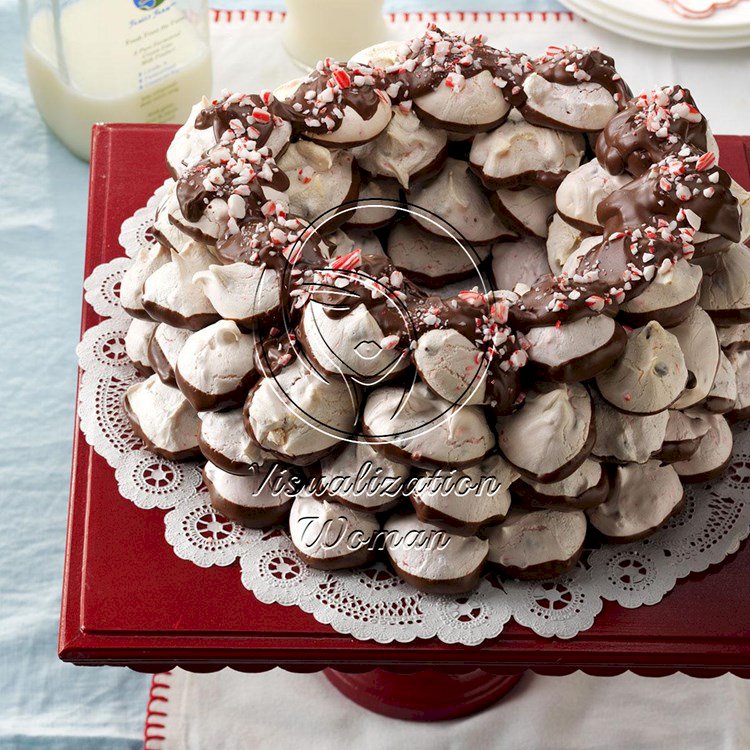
[(654, 34), (663, 13), (603, 9)]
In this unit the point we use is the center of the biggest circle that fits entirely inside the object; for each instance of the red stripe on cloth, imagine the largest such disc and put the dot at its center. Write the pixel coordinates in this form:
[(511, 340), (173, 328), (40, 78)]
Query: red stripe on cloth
[(228, 16), (156, 712)]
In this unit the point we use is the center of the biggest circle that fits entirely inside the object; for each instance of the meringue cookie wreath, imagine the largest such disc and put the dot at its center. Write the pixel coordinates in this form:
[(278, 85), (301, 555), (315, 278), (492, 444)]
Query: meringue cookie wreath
[(291, 335)]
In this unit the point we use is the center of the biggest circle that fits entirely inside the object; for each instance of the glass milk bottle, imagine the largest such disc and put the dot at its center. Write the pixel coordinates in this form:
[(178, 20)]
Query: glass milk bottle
[(93, 61), (315, 29)]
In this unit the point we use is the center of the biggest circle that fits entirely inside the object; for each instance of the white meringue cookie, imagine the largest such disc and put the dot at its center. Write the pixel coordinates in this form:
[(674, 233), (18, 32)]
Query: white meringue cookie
[(297, 415), (214, 363), (431, 260), (473, 107), (520, 153), (164, 417), (362, 478), (319, 179), (583, 190), (650, 375), (472, 497), (528, 209), (562, 241), (378, 203), (171, 296), (627, 438), (523, 261), (725, 292), (404, 150), (723, 394), (584, 478), (549, 437), (740, 362), (529, 539), (456, 197), (327, 531), (349, 345), (423, 551), (713, 454), (241, 292), (734, 336), (576, 350), (426, 430), (644, 496), (354, 129), (251, 491), (700, 347), (447, 363), (588, 106), (147, 260), (224, 433), (164, 349), (137, 340)]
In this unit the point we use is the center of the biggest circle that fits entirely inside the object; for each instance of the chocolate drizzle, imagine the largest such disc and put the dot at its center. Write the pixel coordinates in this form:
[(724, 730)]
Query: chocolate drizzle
[(425, 62), (686, 189), (571, 66), (253, 116), (317, 105), (653, 125), (238, 169)]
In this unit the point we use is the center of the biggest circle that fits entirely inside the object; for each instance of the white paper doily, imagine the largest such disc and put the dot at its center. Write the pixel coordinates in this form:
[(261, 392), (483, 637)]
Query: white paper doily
[(373, 603)]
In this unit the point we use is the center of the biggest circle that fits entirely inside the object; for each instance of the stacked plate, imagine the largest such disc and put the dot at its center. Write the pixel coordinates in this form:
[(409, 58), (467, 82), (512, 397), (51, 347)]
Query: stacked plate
[(693, 24)]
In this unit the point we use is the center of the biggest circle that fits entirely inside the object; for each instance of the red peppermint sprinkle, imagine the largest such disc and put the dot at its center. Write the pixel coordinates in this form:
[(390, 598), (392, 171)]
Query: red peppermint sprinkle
[(595, 302), (342, 78), (260, 115), (347, 262), (706, 160)]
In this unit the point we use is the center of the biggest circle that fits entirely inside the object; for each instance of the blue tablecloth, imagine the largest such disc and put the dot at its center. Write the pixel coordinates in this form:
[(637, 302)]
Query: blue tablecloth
[(44, 703)]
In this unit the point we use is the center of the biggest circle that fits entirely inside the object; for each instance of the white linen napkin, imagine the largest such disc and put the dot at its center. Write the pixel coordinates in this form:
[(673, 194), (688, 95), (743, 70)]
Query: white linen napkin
[(277, 710)]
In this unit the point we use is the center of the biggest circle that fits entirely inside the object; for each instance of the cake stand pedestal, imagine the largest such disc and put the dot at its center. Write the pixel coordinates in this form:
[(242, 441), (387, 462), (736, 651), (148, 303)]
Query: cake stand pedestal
[(423, 696), (128, 600)]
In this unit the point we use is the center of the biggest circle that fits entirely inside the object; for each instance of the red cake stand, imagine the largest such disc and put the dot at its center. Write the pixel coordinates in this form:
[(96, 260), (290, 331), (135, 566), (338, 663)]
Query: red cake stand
[(129, 600)]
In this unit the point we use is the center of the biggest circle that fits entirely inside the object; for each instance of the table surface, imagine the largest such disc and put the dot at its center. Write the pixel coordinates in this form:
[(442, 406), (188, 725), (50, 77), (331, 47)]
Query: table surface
[(44, 703)]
